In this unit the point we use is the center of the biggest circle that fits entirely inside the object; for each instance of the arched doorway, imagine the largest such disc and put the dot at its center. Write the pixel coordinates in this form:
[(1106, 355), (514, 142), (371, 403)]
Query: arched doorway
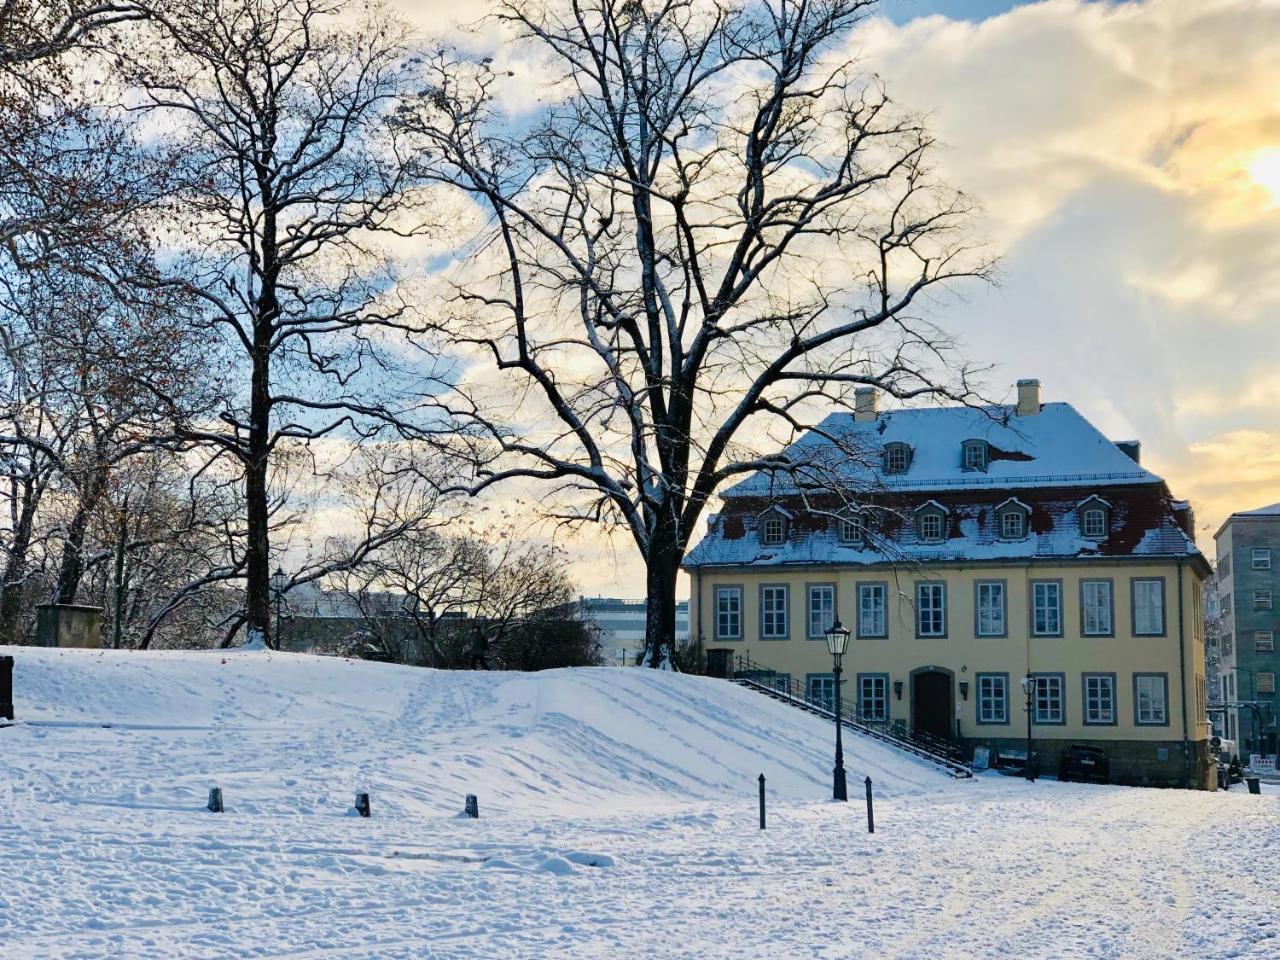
[(932, 707)]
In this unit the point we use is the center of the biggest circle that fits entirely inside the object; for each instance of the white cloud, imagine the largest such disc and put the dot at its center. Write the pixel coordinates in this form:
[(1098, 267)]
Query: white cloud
[(1115, 148)]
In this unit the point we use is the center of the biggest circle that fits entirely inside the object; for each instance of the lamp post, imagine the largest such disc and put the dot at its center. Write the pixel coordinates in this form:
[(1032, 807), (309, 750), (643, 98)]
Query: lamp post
[(1028, 687), (278, 582), (837, 642)]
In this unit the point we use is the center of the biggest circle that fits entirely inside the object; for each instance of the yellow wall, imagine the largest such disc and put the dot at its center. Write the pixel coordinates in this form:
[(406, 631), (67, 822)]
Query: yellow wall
[(967, 655)]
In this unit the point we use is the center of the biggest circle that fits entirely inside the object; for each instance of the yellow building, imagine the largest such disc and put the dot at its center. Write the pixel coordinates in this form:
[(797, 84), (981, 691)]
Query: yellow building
[(967, 550)]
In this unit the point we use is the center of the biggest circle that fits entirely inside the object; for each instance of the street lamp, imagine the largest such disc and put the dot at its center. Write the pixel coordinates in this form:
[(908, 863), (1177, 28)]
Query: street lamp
[(278, 583), (837, 642), (1029, 688)]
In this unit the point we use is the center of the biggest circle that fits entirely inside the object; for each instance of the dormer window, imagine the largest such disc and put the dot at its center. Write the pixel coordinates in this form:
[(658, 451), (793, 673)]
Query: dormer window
[(931, 522), (773, 526), (1095, 523), (1013, 525), (775, 531), (1095, 519), (1011, 519), (897, 458), (853, 528), (975, 455)]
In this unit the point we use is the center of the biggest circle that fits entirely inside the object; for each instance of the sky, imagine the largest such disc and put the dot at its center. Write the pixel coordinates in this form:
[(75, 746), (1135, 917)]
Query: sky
[(1127, 158)]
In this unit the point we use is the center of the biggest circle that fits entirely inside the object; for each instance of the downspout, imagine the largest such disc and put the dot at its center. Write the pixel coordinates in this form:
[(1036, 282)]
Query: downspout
[(696, 597), (1182, 673)]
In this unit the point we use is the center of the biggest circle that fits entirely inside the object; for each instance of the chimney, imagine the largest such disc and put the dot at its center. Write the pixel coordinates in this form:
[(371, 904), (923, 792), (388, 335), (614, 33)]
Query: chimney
[(865, 404), (1028, 398), (1131, 449)]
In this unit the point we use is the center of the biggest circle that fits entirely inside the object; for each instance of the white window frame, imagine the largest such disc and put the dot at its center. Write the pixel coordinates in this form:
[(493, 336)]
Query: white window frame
[(1041, 590), (1266, 682), (970, 462), (824, 610), (1264, 641), (1262, 599), (728, 614), (1091, 531), (775, 601), (1020, 519), (1049, 701), (773, 530), (926, 520), (1151, 699), (873, 689), (991, 617), (931, 609), (897, 458), (1144, 608), (992, 692), (1099, 699), (877, 612), (1261, 557), (1097, 613), (822, 690), (852, 530)]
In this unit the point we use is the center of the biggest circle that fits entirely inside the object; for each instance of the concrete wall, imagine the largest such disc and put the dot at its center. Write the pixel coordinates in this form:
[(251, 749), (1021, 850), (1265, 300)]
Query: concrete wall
[(68, 625)]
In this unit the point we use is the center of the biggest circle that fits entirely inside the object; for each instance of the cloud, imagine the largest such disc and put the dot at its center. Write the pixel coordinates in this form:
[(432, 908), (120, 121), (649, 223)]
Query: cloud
[(1121, 153)]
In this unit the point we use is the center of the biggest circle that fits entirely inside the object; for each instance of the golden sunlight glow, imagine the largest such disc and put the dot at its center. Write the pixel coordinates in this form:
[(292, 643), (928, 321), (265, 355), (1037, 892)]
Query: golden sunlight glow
[(1264, 169)]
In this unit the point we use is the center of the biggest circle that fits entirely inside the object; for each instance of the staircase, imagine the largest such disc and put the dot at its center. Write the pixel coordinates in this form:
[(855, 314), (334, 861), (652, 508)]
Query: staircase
[(937, 750)]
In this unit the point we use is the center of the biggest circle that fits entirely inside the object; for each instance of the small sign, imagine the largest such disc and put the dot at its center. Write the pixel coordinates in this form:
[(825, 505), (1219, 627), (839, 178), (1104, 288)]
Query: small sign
[(981, 758)]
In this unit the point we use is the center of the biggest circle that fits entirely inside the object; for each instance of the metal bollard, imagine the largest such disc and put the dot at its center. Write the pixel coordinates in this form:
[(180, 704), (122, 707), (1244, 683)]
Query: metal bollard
[(6, 688), (472, 808), (362, 803), (762, 801), (215, 800), (871, 815)]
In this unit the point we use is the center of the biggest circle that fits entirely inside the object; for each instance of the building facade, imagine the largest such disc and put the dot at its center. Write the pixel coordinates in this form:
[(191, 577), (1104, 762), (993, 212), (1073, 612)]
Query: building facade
[(1248, 585), (966, 549), (621, 626)]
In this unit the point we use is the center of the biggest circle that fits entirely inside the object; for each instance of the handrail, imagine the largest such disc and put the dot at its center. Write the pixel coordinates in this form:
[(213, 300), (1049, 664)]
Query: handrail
[(782, 686)]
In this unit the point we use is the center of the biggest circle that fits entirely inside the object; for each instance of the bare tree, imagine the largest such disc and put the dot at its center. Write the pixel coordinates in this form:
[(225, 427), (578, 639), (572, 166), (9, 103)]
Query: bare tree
[(36, 31), (279, 108), (713, 230)]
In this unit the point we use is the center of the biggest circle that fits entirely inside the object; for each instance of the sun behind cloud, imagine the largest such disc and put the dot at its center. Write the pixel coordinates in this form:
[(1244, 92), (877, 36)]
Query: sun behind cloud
[(1264, 170)]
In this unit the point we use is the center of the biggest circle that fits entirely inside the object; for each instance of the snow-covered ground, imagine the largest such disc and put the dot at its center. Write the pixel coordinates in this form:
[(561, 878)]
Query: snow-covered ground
[(618, 819)]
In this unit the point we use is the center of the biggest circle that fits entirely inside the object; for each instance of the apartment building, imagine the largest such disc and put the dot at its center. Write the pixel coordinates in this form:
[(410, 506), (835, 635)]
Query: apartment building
[(967, 549), (1248, 585)]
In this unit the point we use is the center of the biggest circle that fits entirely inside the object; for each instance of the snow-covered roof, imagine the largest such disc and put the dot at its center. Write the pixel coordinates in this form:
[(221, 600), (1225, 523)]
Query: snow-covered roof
[(1271, 511), (1142, 526), (1056, 447)]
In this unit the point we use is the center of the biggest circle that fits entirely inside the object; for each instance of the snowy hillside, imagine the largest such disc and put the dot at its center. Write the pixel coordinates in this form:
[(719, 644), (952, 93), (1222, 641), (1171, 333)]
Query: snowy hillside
[(290, 733), (618, 820)]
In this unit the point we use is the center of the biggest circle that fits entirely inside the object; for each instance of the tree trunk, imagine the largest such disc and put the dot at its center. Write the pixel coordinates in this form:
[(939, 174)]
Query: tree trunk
[(15, 569), (663, 565), (257, 593)]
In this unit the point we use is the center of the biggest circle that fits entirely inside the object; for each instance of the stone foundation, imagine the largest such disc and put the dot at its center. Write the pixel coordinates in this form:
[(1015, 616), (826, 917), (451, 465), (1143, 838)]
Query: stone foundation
[(1140, 763)]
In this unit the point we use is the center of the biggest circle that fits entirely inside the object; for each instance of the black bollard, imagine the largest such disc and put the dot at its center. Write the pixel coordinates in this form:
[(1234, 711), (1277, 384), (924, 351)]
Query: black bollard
[(762, 801), (6, 688), (362, 803), (473, 807), (215, 800), (871, 816)]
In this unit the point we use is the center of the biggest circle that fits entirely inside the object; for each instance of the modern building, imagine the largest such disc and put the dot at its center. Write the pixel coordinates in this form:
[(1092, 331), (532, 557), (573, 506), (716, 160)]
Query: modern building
[(621, 626), (967, 549), (1248, 583)]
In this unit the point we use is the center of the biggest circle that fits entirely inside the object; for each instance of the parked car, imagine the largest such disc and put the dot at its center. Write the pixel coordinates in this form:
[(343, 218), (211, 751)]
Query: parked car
[(1084, 764)]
